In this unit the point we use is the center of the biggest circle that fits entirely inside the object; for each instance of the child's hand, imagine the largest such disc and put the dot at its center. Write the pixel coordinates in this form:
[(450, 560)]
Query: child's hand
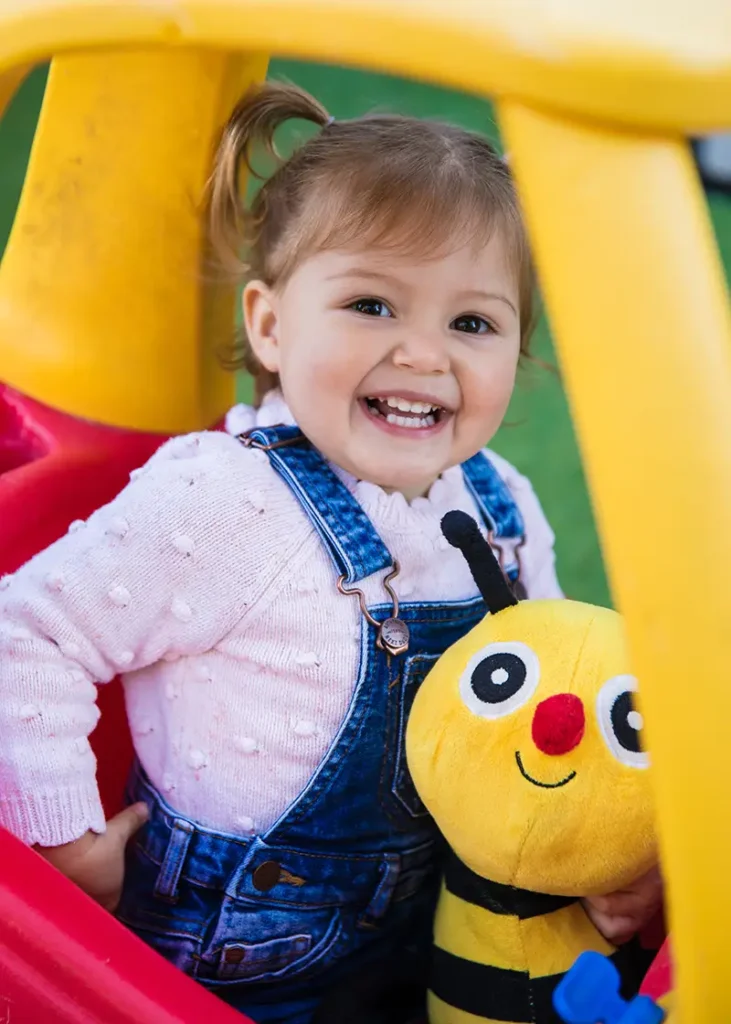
[(96, 862), (620, 915)]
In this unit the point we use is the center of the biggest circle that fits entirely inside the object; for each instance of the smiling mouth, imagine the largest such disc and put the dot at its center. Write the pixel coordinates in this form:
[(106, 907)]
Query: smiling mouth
[(401, 412), (536, 782)]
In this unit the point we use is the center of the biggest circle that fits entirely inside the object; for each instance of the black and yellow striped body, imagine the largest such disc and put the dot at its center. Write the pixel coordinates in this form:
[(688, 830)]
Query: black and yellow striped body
[(500, 952)]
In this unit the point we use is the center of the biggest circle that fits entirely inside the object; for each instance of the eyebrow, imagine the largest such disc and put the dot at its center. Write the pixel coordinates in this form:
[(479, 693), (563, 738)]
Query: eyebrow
[(498, 296), (374, 275)]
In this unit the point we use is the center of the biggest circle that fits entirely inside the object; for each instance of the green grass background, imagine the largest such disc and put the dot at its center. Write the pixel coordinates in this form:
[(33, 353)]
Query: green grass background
[(538, 436)]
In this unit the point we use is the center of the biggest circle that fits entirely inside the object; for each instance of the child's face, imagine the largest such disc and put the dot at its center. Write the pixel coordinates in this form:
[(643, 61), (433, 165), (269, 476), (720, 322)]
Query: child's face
[(396, 369)]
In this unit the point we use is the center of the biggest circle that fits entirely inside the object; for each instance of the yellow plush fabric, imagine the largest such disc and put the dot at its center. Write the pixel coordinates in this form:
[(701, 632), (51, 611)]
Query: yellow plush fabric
[(515, 804)]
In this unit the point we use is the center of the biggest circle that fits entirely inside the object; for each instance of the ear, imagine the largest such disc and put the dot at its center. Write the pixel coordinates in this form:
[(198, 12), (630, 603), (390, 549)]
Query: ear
[(261, 322)]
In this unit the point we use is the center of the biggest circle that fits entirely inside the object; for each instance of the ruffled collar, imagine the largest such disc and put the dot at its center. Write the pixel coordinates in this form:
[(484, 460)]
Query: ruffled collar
[(447, 492)]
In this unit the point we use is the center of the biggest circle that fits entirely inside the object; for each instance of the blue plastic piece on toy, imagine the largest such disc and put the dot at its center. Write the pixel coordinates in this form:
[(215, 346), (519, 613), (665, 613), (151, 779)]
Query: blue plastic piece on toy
[(589, 994)]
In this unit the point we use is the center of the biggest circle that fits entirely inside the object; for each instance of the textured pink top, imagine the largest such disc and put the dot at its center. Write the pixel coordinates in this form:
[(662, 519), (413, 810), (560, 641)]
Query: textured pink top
[(205, 585)]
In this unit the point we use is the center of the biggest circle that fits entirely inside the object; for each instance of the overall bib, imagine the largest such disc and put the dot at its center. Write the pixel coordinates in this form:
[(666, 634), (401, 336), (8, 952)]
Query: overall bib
[(349, 872)]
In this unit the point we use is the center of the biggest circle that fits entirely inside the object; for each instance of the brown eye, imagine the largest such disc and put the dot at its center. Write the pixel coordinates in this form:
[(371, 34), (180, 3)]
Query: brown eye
[(371, 307), (469, 323)]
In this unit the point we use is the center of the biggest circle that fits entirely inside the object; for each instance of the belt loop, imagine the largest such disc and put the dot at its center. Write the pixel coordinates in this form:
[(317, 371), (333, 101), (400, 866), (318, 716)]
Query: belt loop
[(166, 885), (390, 870)]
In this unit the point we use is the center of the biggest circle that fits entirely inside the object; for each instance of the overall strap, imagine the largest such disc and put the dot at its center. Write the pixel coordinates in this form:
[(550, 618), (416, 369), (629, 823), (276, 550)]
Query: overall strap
[(346, 531), (493, 498)]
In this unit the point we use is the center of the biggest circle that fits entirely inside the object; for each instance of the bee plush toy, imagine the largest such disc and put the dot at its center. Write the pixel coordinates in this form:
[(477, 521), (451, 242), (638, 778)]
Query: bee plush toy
[(525, 745)]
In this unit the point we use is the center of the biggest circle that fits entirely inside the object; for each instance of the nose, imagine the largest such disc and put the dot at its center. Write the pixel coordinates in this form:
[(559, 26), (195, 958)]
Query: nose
[(558, 724), (422, 354)]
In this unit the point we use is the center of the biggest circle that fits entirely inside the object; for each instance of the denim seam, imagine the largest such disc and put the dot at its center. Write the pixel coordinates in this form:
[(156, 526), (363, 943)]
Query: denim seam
[(424, 661)]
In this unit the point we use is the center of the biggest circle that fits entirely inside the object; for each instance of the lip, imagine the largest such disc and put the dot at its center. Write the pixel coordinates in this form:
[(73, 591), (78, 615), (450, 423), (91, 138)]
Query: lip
[(397, 431), (537, 782), (410, 396)]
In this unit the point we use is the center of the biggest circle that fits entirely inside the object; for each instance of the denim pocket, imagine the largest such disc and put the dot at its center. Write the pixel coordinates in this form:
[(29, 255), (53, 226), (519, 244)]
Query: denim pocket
[(403, 790), (241, 960), (249, 953)]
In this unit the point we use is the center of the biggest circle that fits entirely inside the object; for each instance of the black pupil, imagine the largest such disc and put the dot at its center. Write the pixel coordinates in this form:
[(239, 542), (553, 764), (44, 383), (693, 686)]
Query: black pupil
[(498, 677), (371, 307), (468, 324), (628, 736)]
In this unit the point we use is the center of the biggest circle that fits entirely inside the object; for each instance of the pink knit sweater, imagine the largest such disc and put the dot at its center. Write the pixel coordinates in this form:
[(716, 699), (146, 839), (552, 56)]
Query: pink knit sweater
[(206, 586)]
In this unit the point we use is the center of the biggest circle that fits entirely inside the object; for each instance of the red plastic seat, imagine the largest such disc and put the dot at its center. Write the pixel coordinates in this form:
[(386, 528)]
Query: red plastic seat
[(62, 958)]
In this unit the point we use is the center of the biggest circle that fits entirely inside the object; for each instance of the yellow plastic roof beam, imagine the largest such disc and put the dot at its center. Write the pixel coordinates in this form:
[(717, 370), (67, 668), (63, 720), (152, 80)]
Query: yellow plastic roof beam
[(636, 294), (108, 307), (654, 64)]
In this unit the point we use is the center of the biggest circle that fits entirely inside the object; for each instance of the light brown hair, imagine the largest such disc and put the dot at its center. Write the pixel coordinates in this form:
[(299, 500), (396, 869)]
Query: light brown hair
[(379, 180)]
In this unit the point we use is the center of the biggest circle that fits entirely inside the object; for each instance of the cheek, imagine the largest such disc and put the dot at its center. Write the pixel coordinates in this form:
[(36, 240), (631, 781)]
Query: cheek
[(329, 367), (488, 382)]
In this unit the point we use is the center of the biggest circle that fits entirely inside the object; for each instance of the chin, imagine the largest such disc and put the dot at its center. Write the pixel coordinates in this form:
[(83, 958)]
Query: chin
[(409, 485), (378, 465)]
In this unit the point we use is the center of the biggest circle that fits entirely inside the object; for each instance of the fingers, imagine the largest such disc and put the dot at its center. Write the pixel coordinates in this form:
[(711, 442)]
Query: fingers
[(615, 929), (110, 902), (620, 915), (124, 825), (619, 904), (640, 900)]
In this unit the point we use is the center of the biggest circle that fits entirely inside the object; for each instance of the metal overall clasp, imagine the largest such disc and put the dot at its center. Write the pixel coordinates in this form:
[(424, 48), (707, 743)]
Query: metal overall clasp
[(248, 441), (517, 586), (392, 635)]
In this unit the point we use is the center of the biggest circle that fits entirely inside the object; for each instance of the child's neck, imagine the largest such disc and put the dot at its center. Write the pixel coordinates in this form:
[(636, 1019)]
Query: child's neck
[(410, 493)]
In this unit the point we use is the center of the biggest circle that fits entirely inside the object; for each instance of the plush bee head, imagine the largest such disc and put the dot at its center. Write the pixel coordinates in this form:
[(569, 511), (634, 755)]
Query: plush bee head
[(525, 741)]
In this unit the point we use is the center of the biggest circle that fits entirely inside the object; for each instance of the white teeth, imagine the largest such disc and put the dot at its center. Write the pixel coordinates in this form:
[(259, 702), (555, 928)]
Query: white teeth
[(404, 405), (411, 422), (421, 414)]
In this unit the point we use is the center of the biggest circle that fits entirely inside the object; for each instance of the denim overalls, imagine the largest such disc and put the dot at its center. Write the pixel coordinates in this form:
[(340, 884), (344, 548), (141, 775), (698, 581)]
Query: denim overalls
[(348, 873)]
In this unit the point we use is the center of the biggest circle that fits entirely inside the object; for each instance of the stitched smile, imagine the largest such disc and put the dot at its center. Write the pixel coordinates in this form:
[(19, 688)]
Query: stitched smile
[(543, 785)]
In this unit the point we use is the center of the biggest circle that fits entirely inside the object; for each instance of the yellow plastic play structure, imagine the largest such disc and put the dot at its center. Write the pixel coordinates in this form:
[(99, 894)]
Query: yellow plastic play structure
[(107, 313)]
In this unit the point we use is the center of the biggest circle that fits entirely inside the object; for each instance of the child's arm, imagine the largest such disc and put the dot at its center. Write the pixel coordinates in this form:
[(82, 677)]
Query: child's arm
[(167, 568)]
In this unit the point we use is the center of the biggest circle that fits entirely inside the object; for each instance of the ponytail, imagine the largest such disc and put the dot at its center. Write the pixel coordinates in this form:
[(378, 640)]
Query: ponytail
[(253, 122)]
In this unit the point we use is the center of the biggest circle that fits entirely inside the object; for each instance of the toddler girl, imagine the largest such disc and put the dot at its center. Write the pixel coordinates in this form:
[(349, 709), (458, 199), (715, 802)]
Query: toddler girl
[(273, 596)]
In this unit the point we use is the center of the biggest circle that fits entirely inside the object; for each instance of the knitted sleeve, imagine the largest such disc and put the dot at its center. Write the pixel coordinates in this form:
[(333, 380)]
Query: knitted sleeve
[(538, 559), (169, 566)]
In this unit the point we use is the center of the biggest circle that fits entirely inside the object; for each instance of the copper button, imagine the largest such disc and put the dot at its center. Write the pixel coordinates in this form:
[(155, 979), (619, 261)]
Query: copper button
[(234, 955), (266, 875)]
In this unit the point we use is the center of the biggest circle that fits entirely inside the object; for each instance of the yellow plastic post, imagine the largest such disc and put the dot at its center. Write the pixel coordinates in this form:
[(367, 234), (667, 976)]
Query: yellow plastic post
[(108, 307), (636, 295)]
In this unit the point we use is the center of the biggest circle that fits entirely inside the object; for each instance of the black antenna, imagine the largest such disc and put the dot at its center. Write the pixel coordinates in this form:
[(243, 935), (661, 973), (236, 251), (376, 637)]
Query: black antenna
[(463, 532)]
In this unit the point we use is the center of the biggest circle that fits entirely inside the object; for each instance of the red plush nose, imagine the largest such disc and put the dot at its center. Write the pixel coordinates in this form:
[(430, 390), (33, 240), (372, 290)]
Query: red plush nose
[(558, 724)]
